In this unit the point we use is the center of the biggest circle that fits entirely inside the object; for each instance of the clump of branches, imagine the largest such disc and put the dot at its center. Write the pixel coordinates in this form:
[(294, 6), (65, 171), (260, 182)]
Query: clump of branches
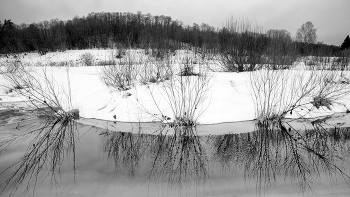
[(122, 75), (184, 96), (118, 76), (241, 46), (155, 70), (42, 90), (120, 53), (279, 92), (280, 52), (10, 65), (87, 59), (187, 66), (136, 67)]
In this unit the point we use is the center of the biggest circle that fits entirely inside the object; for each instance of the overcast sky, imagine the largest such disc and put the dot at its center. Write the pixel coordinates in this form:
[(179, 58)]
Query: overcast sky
[(330, 17)]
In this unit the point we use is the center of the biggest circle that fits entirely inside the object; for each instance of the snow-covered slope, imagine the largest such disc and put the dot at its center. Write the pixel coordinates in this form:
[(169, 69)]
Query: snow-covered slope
[(228, 97)]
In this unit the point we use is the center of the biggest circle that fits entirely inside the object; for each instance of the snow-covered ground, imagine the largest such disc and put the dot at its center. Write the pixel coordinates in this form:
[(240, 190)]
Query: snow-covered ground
[(228, 99)]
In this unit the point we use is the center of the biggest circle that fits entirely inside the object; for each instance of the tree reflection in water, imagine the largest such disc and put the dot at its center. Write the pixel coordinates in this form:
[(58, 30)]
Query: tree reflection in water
[(273, 151), (182, 157), (49, 145), (174, 159), (125, 149), (179, 158)]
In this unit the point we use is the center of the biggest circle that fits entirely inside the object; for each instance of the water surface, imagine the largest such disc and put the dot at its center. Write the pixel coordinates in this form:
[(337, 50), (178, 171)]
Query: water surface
[(72, 159)]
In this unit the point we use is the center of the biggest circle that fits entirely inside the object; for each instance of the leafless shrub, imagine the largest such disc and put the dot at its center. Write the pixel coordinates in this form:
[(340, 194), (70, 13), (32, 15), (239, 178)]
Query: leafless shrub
[(118, 76), (155, 70), (122, 75), (187, 67), (276, 93), (49, 144), (120, 53), (150, 73), (41, 89), (136, 67), (319, 101), (242, 46), (207, 57), (280, 51), (87, 59), (184, 96), (10, 65)]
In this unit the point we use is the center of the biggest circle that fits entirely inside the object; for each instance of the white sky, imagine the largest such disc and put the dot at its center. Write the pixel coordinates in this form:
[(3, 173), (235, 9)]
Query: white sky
[(330, 17)]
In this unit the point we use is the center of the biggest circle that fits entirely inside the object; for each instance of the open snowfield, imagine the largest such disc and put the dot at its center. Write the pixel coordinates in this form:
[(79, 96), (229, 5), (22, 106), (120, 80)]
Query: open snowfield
[(228, 97)]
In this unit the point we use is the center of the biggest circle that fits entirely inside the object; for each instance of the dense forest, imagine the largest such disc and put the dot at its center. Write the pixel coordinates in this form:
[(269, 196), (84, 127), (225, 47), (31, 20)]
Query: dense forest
[(107, 30)]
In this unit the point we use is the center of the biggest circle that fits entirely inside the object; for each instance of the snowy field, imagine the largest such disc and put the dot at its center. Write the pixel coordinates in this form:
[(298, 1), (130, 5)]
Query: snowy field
[(227, 96)]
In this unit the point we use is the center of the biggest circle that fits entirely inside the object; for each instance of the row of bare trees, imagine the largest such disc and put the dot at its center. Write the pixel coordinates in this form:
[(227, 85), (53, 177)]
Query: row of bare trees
[(240, 40), (103, 29), (245, 46)]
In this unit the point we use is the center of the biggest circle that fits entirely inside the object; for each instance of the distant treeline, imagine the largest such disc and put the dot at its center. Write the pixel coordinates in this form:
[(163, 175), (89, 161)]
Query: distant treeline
[(104, 29)]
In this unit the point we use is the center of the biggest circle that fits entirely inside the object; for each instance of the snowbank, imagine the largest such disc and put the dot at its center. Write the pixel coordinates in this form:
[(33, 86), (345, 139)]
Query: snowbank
[(228, 99)]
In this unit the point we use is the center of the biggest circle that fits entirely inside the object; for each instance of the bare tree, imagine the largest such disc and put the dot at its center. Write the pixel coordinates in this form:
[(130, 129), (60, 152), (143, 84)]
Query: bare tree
[(307, 33), (241, 45), (280, 52)]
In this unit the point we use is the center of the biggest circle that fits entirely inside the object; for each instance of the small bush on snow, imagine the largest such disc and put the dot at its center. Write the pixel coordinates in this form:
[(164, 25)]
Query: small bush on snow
[(319, 101), (185, 97), (118, 76), (276, 93), (87, 59)]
